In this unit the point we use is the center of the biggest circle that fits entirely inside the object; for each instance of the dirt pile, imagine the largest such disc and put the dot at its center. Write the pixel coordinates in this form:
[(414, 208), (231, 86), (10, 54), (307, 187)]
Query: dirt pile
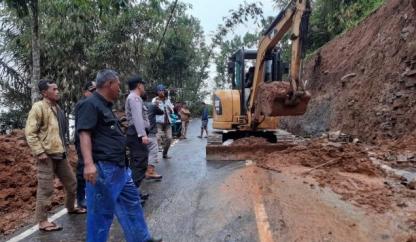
[(344, 167), (18, 182), (275, 100), (250, 141), (363, 82), (337, 156)]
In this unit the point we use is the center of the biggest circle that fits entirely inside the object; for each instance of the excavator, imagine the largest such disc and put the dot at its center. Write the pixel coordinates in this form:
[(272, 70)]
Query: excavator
[(259, 95)]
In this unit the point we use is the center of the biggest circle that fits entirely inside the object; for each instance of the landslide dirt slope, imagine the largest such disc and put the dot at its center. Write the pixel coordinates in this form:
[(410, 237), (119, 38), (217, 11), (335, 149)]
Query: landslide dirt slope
[(364, 81), (18, 169)]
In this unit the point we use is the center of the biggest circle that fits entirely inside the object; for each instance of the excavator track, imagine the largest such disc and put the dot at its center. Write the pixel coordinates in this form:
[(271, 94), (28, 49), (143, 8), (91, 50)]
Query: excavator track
[(219, 150)]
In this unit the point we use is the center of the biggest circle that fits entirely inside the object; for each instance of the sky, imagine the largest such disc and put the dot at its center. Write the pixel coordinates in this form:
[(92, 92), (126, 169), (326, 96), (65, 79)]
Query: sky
[(211, 12)]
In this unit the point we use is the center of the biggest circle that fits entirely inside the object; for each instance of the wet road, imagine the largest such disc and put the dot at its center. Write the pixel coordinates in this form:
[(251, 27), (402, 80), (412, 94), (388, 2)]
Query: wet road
[(186, 205), (237, 201)]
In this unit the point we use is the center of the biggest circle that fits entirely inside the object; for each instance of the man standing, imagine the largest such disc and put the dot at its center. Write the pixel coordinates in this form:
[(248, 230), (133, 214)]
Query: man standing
[(45, 133), (152, 111), (163, 122), (138, 123), (204, 119), (89, 88), (185, 116), (110, 188)]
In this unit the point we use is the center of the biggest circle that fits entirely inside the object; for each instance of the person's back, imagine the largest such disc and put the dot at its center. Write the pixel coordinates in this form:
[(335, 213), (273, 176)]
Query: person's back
[(204, 115), (204, 119), (152, 112)]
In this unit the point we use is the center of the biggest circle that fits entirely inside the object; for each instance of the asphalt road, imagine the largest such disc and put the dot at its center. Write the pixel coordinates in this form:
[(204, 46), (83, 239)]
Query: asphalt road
[(189, 204), (237, 201)]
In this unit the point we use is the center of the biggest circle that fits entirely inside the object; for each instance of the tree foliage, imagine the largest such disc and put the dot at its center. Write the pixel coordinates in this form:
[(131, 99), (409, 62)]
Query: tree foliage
[(78, 38), (329, 18)]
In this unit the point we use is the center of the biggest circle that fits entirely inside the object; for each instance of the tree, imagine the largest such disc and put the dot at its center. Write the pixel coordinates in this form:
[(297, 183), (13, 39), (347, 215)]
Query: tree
[(81, 37), (24, 8)]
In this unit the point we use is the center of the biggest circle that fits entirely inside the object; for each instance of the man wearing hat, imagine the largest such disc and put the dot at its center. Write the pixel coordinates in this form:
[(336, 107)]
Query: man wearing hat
[(138, 122), (88, 89), (164, 128)]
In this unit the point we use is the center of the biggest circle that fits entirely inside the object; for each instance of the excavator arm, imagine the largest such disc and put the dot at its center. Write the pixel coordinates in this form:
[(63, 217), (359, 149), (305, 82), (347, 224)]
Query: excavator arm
[(295, 99)]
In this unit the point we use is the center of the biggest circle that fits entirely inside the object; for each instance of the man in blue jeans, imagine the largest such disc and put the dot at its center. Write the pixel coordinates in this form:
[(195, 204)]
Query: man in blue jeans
[(110, 188)]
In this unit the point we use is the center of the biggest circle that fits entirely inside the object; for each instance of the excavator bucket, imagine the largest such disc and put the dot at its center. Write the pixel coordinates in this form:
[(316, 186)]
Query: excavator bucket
[(277, 99)]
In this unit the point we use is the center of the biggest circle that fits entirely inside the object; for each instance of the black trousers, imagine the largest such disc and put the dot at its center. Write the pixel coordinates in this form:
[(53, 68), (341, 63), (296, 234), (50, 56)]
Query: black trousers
[(139, 158)]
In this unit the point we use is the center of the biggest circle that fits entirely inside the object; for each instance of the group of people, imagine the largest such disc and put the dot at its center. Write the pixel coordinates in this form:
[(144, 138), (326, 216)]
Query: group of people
[(106, 181)]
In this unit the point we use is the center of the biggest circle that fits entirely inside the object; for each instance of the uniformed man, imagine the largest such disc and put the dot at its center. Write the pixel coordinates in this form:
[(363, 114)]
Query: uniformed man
[(138, 122)]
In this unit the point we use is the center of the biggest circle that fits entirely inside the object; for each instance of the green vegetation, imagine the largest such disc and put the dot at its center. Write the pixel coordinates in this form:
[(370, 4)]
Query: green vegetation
[(70, 40), (330, 18), (155, 38)]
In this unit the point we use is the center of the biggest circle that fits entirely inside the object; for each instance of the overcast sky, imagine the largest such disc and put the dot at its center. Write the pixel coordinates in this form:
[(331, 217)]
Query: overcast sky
[(211, 12)]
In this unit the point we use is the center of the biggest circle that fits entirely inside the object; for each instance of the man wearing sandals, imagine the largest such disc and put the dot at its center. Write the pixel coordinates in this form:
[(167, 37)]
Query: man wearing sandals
[(45, 133)]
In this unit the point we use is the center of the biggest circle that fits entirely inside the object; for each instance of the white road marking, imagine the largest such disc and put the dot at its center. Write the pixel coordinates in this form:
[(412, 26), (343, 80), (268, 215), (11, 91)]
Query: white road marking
[(35, 228)]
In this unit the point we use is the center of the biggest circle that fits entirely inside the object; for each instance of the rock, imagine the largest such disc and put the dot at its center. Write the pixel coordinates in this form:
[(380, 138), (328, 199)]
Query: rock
[(21, 143), (337, 136), (402, 205), (343, 79), (410, 73), (400, 94), (398, 103), (333, 144), (409, 82), (355, 141), (412, 184), (401, 158), (334, 136), (390, 157), (228, 142)]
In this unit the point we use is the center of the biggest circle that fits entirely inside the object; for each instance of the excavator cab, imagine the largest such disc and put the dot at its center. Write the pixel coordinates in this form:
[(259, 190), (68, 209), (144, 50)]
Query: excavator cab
[(241, 67)]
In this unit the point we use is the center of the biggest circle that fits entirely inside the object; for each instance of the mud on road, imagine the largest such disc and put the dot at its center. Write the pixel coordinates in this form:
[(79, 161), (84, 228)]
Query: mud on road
[(319, 167)]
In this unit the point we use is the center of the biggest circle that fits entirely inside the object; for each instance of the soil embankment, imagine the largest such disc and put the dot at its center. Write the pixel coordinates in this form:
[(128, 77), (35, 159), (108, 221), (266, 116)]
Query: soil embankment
[(18, 183), (364, 81)]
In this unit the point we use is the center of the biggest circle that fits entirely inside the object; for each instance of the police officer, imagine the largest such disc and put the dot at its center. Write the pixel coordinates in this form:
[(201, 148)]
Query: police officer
[(138, 122)]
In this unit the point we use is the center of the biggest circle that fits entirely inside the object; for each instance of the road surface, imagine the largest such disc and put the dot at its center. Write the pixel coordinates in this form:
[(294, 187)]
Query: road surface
[(236, 201)]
